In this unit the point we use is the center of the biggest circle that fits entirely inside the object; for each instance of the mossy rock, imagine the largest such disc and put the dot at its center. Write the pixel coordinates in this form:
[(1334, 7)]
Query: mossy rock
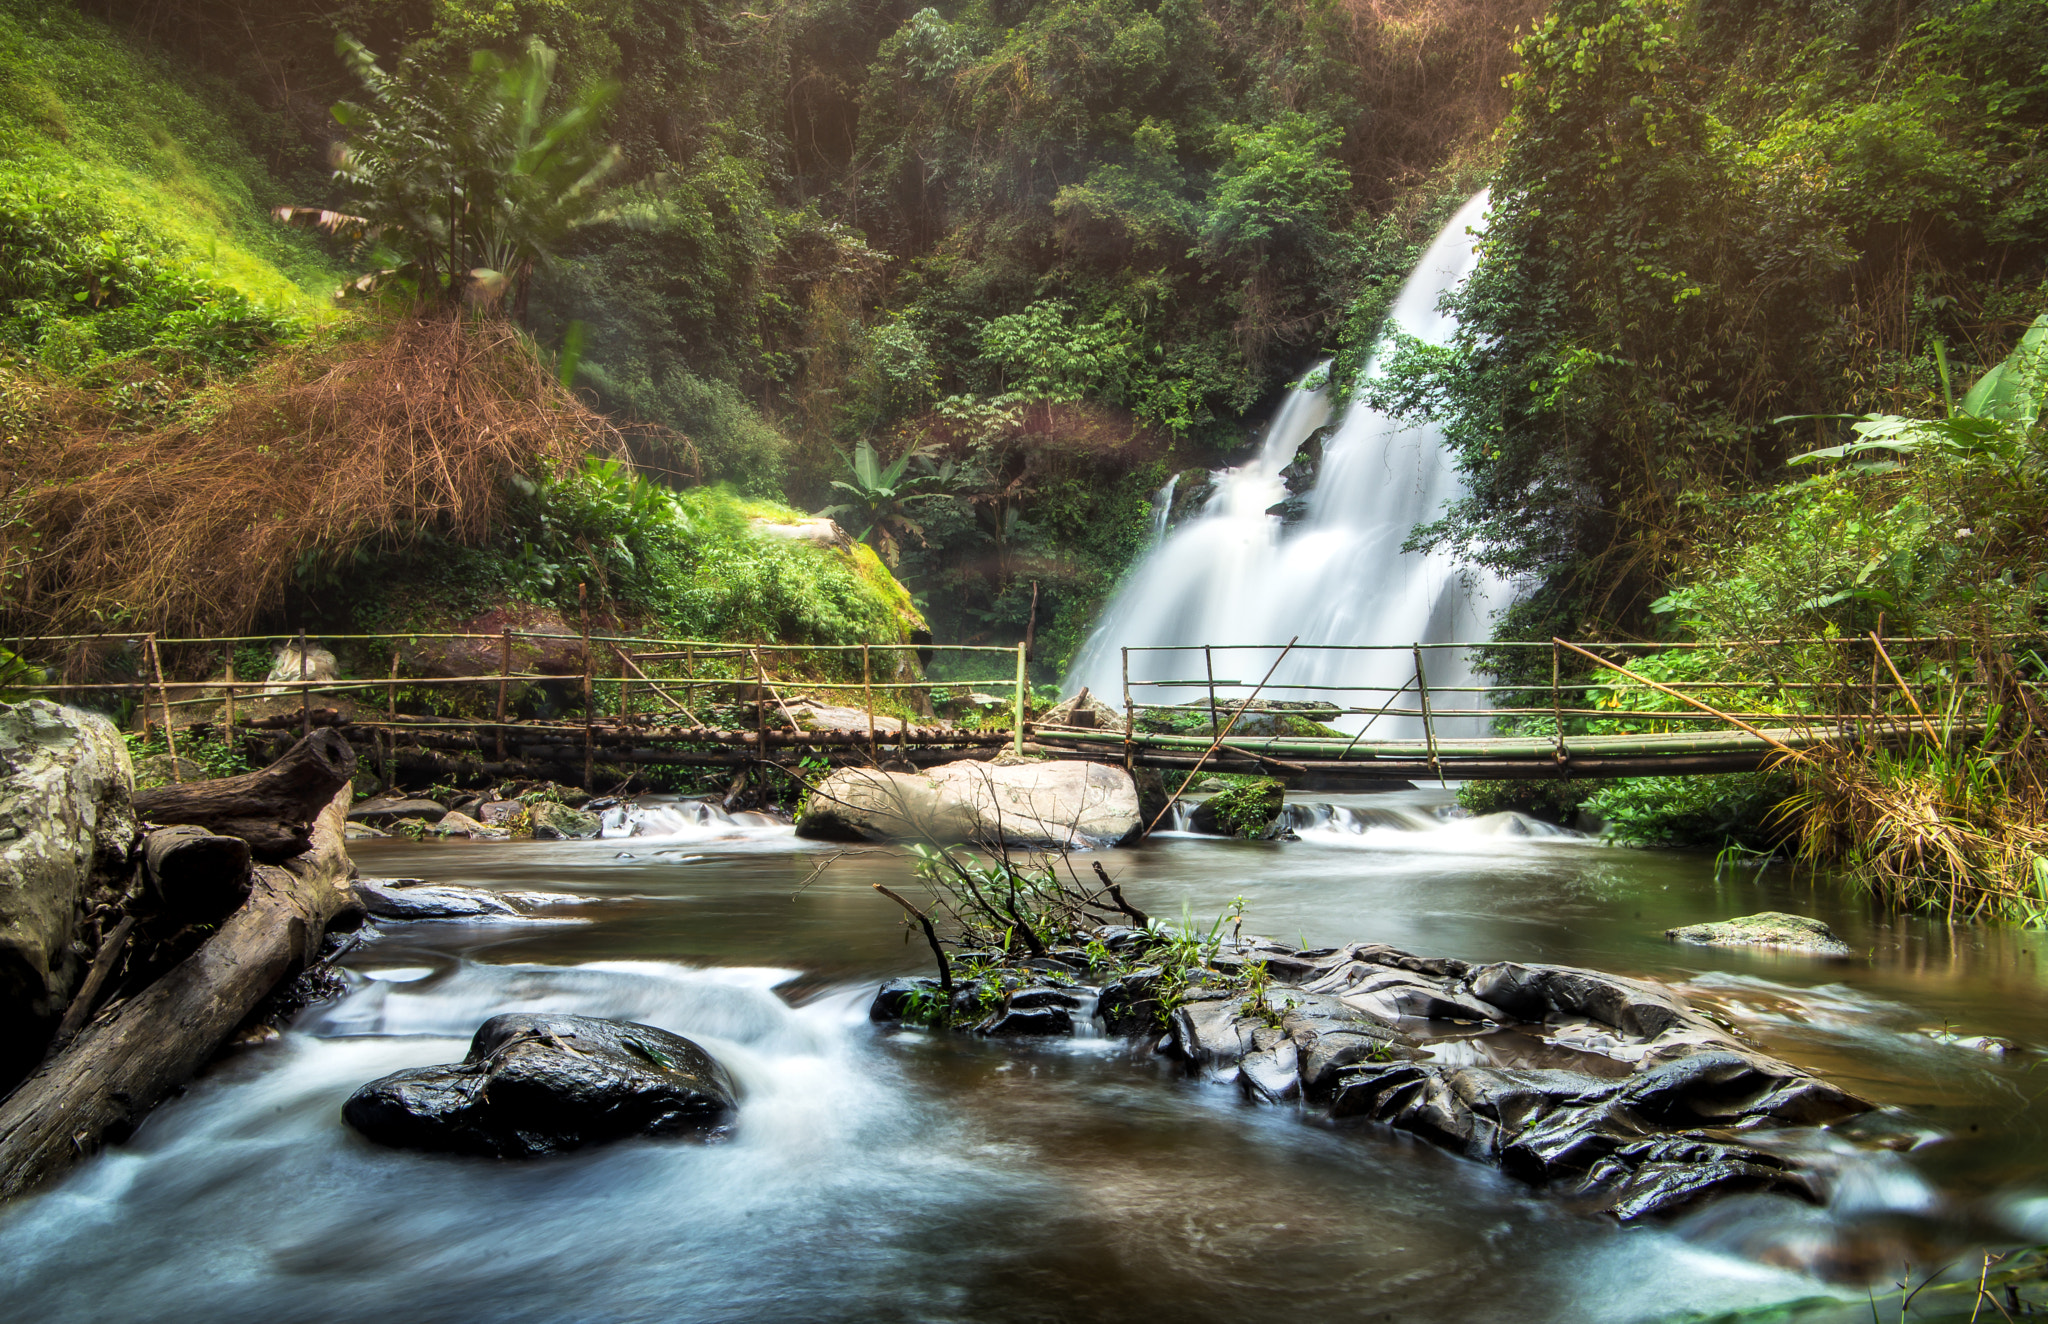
[(1246, 807), (1771, 928)]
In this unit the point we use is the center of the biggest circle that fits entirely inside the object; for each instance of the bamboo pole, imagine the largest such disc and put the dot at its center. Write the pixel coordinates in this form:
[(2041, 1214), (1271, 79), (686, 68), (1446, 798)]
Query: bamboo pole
[(1925, 725), (589, 697), (867, 684), (1557, 703), (1422, 695), (1682, 698), (156, 665), (389, 772), (504, 678), (305, 692), (1130, 715), (1209, 665), (1017, 719), (228, 722)]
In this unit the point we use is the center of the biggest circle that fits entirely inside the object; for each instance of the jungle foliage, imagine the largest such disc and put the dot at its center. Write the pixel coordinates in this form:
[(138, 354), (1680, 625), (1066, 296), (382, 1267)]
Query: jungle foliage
[(1709, 219), (1061, 247)]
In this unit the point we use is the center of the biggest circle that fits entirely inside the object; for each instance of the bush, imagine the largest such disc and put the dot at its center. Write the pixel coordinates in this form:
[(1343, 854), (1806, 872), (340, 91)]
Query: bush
[(1245, 805)]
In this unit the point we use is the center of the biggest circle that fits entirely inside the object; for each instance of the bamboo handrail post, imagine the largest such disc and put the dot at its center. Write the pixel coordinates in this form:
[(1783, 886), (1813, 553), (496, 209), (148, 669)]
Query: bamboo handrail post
[(589, 696), (1130, 715), (156, 665), (305, 692), (1209, 666), (625, 694), (227, 735), (1557, 705), (1017, 720), (504, 674), (867, 685), (390, 741), (1422, 696)]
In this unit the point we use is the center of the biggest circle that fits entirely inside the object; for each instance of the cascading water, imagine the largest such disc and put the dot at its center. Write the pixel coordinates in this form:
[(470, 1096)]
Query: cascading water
[(1235, 575)]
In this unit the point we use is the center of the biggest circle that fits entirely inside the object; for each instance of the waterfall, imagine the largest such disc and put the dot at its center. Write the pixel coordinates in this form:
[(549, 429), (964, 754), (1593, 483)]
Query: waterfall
[(1235, 575)]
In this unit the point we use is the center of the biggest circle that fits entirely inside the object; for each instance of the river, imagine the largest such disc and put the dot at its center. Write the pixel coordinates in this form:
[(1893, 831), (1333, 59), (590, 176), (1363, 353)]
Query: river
[(884, 1175)]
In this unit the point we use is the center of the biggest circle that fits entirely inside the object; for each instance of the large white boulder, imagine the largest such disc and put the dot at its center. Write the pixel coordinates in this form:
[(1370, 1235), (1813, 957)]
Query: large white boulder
[(1066, 804), (65, 816)]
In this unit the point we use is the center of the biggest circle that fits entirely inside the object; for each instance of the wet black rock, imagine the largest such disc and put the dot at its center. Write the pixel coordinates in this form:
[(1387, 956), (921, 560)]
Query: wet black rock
[(905, 1000), (537, 1084), (1647, 1143), (1129, 1005)]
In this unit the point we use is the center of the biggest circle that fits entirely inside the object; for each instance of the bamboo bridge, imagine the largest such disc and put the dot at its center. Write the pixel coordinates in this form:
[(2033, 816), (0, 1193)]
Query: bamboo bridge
[(601, 709)]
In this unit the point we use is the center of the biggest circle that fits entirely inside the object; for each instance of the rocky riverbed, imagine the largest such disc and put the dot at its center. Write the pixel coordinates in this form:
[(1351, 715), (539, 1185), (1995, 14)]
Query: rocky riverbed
[(1610, 1090)]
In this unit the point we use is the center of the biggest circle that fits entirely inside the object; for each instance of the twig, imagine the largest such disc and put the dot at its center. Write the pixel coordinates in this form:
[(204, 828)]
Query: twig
[(80, 1010), (931, 937), (1118, 897)]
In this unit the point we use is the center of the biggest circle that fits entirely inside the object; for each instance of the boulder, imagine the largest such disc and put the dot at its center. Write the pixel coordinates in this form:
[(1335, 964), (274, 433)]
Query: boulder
[(1247, 808), (66, 829), (818, 531), (385, 811), (539, 1083), (453, 824), (285, 672), (408, 899), (1771, 928), (553, 820), (1063, 804), (1085, 711)]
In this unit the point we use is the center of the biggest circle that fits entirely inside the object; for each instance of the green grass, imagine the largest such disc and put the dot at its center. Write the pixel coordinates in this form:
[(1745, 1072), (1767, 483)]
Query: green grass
[(87, 114)]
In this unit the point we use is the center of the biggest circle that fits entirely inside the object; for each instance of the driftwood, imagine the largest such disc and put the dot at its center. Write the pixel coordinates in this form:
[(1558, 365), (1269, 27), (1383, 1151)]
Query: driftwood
[(196, 875), (138, 1051), (271, 809)]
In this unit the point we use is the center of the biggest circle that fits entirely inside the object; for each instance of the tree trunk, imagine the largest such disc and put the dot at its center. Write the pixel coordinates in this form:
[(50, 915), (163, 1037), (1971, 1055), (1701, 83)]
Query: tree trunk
[(137, 1052), (272, 809)]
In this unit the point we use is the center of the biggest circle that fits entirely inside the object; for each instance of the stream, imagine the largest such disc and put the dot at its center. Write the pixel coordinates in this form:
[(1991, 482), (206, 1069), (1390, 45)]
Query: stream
[(897, 1175)]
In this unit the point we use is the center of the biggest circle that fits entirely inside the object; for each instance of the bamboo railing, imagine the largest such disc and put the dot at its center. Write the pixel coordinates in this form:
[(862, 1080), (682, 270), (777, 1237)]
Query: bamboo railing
[(642, 701)]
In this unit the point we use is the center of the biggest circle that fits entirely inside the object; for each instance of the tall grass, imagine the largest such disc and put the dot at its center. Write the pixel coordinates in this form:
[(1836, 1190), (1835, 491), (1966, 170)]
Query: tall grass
[(1949, 814)]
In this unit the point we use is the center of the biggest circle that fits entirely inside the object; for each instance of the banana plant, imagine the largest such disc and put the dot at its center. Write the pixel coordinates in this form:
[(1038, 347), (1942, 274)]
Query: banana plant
[(882, 494), (1993, 422)]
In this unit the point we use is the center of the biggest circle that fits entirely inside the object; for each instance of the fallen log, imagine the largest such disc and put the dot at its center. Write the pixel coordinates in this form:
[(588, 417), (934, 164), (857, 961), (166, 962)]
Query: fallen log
[(196, 875), (272, 809), (138, 1051)]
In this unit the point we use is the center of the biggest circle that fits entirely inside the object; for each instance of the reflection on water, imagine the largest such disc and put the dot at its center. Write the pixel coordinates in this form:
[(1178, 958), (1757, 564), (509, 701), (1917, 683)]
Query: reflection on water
[(879, 1175)]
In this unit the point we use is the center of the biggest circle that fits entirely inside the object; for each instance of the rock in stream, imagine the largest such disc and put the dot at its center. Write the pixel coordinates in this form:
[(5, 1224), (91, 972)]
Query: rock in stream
[(537, 1084)]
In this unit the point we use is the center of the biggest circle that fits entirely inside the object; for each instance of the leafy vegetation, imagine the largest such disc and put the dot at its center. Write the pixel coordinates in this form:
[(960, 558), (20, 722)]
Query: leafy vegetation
[(1245, 805)]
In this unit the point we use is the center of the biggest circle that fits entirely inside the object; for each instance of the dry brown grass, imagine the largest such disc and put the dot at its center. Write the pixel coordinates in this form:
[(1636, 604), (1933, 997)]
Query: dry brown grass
[(199, 525)]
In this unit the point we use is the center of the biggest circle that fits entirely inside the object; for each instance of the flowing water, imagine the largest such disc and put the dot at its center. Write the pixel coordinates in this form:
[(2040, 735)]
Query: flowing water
[(1234, 575), (885, 1175)]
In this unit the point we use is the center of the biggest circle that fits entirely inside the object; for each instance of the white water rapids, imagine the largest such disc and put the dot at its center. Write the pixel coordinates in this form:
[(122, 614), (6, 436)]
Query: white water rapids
[(1233, 575)]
